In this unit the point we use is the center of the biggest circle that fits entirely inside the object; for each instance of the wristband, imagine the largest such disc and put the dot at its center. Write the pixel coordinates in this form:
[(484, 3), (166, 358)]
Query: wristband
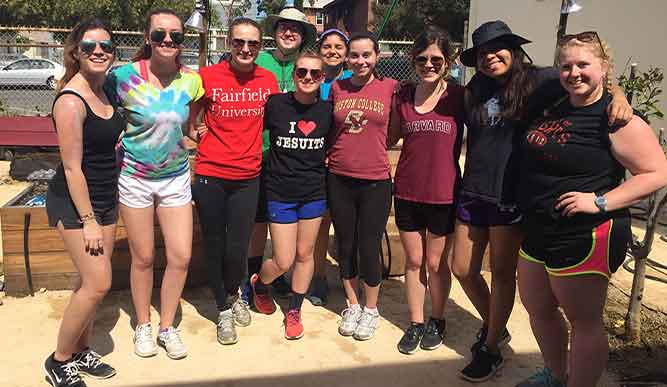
[(87, 218)]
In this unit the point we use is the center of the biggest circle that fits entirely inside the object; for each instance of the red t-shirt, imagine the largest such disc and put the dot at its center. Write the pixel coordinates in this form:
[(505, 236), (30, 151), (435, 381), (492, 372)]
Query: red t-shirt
[(428, 169), (361, 118), (234, 116)]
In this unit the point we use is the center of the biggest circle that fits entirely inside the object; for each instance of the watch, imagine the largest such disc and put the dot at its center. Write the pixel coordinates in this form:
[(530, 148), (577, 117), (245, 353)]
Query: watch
[(601, 203)]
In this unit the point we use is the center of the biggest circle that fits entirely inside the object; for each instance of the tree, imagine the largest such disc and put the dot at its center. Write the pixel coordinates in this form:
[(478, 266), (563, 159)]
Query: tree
[(271, 7), (410, 16)]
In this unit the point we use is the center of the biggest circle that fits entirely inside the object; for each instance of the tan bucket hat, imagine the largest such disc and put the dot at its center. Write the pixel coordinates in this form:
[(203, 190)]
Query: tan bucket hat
[(293, 14)]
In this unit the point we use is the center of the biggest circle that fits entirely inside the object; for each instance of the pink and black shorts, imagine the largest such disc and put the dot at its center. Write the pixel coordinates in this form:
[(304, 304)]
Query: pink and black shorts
[(598, 251)]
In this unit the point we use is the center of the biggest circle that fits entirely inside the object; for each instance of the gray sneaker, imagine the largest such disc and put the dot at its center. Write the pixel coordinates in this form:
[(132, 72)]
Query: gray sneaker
[(171, 341), (226, 330), (368, 323), (144, 346), (241, 312), (542, 378), (350, 320)]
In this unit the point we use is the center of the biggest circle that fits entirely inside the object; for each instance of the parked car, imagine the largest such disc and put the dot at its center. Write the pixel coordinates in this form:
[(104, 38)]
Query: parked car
[(32, 72), (6, 58)]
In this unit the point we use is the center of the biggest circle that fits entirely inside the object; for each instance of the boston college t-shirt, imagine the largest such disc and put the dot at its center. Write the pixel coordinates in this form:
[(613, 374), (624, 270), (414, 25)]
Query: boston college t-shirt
[(234, 115), (361, 116), (295, 165)]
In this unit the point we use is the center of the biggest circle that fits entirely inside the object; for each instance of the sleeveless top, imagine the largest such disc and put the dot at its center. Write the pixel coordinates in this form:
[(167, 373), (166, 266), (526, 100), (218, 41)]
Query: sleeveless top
[(98, 163)]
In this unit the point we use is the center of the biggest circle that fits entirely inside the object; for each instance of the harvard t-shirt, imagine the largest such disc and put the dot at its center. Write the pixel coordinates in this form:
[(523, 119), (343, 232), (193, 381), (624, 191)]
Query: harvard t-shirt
[(361, 116), (295, 165), (234, 115), (428, 169)]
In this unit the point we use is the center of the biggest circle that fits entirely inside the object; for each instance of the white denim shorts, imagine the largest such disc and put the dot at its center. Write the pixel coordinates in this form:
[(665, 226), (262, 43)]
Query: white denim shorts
[(141, 193)]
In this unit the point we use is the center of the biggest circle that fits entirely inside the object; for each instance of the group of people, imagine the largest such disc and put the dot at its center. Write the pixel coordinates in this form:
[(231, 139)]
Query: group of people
[(298, 140)]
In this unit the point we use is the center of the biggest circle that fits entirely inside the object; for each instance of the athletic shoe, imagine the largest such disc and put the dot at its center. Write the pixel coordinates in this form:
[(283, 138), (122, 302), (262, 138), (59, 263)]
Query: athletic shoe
[(226, 329), (263, 302), (483, 366), (542, 378), (318, 292), (62, 374), (505, 338), (434, 334), (90, 364), (410, 340), (293, 325), (171, 341), (282, 288), (241, 312), (144, 346), (350, 320), (368, 323)]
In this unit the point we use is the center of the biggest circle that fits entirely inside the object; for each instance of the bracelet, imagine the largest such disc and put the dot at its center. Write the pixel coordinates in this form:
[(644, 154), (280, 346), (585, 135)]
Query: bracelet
[(87, 218)]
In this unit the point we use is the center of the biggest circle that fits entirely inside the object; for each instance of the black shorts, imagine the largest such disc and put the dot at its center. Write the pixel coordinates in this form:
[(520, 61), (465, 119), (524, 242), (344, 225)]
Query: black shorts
[(262, 214), (438, 219), (60, 208), (600, 250)]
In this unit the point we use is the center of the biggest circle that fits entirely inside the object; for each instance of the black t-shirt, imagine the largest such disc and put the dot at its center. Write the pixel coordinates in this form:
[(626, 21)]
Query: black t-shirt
[(295, 165), (568, 150), (492, 168)]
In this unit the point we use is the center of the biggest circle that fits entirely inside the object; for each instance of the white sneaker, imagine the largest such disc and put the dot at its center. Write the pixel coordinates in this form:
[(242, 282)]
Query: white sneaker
[(350, 320), (368, 323), (171, 341), (144, 346)]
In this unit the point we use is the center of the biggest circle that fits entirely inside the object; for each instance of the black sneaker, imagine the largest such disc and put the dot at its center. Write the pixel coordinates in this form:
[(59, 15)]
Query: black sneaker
[(434, 335), (410, 340), (280, 287), (88, 362), (505, 338), (483, 366), (62, 374)]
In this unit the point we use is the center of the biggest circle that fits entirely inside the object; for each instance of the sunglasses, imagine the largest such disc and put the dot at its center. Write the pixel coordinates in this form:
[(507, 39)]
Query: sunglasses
[(240, 43), (586, 37), (315, 74), (158, 36), (89, 46), (436, 61)]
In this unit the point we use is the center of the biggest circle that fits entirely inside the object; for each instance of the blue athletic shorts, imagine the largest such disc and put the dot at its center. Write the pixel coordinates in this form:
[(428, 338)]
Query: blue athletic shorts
[(281, 212)]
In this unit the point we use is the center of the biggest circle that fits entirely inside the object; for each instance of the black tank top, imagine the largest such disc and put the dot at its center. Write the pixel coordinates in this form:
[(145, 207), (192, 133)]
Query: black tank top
[(98, 163)]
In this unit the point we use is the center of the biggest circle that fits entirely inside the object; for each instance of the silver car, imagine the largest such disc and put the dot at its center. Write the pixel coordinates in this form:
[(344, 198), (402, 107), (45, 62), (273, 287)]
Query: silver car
[(32, 72)]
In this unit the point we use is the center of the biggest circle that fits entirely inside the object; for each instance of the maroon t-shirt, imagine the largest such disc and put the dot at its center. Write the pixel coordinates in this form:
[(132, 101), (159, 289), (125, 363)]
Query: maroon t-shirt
[(361, 118), (428, 169)]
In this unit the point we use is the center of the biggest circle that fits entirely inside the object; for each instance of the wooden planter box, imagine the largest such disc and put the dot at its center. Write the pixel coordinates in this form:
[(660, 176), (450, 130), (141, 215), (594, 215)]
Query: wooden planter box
[(50, 265)]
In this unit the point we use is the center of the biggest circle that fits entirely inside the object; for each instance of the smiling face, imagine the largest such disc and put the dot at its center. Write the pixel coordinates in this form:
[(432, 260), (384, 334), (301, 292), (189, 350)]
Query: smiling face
[(289, 36), (582, 73), (308, 75), (362, 57), (333, 50), (98, 61), (245, 43), (165, 25), (431, 64), (494, 59)]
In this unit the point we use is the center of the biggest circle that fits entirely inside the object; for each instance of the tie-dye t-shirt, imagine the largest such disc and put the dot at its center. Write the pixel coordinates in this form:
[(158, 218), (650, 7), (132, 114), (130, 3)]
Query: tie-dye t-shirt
[(153, 143)]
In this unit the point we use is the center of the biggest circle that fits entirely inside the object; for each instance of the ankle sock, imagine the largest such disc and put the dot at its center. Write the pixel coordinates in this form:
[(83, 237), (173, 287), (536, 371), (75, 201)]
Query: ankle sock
[(296, 300)]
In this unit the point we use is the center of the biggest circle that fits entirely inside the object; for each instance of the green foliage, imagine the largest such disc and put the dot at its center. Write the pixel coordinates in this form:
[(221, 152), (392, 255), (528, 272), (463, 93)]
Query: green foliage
[(645, 90), (409, 17), (271, 7)]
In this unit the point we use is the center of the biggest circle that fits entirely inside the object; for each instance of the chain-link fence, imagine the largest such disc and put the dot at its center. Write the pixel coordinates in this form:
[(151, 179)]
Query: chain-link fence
[(31, 62)]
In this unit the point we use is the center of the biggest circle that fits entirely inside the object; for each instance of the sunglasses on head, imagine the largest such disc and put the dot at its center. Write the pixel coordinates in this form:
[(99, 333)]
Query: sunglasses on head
[(158, 36), (315, 74), (240, 43), (586, 37), (88, 46), (436, 61)]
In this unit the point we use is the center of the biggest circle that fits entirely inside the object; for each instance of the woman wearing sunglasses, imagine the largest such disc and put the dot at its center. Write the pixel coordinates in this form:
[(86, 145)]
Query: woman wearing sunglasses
[(577, 219), (82, 196), (425, 186), (229, 157), (504, 94), (156, 92), (333, 50), (359, 181), (298, 123)]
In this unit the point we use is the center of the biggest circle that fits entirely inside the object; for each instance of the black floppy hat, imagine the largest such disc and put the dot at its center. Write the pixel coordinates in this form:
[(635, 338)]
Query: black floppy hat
[(487, 32)]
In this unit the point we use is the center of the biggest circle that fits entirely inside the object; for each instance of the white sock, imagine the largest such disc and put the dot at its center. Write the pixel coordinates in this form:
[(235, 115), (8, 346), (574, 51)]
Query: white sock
[(373, 311)]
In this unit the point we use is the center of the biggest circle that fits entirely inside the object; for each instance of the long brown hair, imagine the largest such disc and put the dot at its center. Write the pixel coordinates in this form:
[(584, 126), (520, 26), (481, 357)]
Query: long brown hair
[(437, 36), (70, 51), (145, 51)]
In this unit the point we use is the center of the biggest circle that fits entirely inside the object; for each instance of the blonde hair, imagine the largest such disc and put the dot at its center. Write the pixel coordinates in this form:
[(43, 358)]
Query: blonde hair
[(599, 47)]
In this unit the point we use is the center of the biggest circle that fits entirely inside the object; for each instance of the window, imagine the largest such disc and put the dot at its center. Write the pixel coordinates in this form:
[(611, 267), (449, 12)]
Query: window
[(319, 18), (20, 65)]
